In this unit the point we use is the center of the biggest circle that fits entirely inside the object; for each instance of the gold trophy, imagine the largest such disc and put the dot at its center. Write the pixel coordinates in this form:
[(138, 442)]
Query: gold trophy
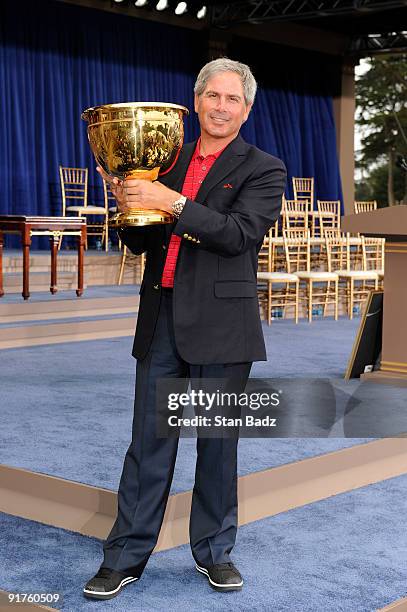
[(136, 140)]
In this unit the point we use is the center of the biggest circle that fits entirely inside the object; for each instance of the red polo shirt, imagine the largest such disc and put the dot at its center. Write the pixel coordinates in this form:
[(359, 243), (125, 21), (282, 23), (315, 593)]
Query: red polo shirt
[(197, 170)]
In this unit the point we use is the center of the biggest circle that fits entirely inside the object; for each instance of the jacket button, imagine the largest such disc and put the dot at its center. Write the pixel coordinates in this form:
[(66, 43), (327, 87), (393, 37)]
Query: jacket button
[(185, 235), (156, 286), (190, 238)]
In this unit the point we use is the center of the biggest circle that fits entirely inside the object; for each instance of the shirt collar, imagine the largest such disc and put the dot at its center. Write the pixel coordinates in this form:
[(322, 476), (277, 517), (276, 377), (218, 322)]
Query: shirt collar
[(197, 153)]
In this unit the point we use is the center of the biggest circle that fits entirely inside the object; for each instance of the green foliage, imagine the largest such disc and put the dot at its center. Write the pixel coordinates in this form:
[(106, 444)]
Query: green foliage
[(375, 186), (381, 112)]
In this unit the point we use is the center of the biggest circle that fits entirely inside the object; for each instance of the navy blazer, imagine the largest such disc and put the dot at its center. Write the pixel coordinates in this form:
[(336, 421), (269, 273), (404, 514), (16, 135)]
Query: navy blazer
[(216, 311)]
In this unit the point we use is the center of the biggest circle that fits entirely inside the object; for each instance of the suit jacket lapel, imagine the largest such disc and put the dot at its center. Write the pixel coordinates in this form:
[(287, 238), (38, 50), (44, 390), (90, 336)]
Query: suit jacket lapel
[(231, 157)]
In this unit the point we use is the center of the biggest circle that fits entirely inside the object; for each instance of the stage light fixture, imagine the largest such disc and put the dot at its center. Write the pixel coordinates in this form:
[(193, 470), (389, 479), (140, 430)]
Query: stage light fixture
[(140, 3), (181, 8), (118, 1), (201, 13), (161, 5)]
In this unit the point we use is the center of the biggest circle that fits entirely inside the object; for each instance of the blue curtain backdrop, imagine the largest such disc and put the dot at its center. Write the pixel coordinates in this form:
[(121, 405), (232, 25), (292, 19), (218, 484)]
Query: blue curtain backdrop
[(57, 59)]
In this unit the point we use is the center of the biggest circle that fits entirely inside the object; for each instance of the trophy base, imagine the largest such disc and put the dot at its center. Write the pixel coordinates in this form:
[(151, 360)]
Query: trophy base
[(140, 217)]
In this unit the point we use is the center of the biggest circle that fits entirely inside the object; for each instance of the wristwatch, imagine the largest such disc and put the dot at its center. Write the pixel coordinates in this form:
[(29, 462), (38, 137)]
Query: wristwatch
[(178, 206)]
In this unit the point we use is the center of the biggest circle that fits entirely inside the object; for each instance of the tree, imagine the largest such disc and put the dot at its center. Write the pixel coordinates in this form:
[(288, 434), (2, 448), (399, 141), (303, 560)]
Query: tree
[(374, 187), (381, 99)]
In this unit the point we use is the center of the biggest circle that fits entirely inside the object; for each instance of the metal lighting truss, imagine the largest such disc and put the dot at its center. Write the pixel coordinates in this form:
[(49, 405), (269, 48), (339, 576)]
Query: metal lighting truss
[(259, 11)]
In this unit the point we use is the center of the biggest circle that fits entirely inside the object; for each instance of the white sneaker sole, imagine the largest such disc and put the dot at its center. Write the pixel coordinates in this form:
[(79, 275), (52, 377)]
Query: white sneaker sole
[(108, 594), (221, 587)]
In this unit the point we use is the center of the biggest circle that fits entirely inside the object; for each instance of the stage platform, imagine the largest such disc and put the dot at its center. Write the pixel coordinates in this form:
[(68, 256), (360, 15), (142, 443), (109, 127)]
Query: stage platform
[(67, 402)]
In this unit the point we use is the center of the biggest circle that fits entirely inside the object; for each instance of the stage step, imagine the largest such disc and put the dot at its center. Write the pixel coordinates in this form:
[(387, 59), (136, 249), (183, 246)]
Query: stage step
[(91, 510), (72, 331), (39, 281), (100, 268), (67, 309)]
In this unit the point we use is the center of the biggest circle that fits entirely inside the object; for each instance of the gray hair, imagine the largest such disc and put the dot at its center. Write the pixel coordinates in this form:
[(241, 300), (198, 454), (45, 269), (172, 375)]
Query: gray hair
[(224, 64)]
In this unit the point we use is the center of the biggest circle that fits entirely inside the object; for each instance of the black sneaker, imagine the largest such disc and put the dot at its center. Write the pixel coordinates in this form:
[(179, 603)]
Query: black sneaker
[(222, 577), (106, 584)]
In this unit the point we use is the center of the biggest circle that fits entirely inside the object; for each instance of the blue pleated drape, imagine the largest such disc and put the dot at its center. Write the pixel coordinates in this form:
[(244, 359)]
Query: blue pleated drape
[(57, 59)]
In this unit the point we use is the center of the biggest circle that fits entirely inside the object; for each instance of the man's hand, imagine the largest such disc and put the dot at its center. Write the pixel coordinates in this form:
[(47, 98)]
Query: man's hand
[(116, 187), (136, 193), (145, 194)]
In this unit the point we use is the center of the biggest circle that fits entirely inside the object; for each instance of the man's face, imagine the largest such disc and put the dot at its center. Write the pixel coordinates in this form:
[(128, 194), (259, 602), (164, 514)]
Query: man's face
[(221, 107)]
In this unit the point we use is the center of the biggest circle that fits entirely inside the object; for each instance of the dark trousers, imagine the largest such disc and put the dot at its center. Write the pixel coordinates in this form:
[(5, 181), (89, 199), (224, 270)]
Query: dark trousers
[(149, 465)]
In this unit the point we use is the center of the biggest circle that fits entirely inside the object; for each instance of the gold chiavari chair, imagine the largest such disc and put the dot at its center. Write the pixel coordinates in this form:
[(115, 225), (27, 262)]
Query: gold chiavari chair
[(334, 234), (135, 262), (286, 295), (74, 188), (296, 214), (329, 215), (109, 199), (354, 284), (110, 203), (298, 253), (374, 256), (303, 189), (365, 206)]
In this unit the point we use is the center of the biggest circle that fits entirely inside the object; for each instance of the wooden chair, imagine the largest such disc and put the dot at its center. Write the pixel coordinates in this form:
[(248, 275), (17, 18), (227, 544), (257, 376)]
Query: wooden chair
[(110, 203), (364, 206), (287, 293), (298, 253), (295, 214), (303, 189), (136, 262), (108, 198), (329, 215), (74, 188), (354, 284), (374, 256)]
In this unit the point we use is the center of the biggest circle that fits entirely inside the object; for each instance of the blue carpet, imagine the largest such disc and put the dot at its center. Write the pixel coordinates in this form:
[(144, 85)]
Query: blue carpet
[(74, 403), (345, 553)]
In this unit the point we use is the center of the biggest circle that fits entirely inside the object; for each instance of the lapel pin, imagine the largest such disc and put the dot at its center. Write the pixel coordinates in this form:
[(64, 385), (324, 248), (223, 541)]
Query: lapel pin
[(227, 186)]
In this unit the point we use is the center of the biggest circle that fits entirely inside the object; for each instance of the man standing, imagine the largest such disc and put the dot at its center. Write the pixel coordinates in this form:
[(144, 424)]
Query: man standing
[(198, 318)]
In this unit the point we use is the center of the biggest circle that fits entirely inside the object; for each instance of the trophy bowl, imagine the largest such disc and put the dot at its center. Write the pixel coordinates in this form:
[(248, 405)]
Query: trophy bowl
[(136, 140)]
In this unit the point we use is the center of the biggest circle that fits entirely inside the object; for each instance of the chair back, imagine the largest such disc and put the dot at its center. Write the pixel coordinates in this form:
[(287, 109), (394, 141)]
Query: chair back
[(303, 189), (297, 250), (337, 251), (74, 187), (367, 206), (296, 214), (264, 256), (373, 253), (329, 214), (108, 196)]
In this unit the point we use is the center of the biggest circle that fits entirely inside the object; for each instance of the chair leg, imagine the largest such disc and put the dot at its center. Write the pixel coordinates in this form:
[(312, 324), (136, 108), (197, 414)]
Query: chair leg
[(310, 288), (351, 292), (297, 299), (106, 233), (328, 288), (123, 261), (269, 302), (336, 298)]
